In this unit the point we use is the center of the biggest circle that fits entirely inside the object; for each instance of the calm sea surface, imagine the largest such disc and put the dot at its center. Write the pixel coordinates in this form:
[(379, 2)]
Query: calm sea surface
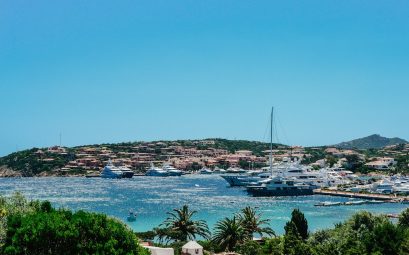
[(152, 197)]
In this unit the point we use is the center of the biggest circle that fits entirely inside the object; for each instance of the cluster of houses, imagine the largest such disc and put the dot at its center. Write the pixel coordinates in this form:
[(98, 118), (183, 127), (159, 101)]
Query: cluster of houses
[(186, 157), (385, 162), (181, 156)]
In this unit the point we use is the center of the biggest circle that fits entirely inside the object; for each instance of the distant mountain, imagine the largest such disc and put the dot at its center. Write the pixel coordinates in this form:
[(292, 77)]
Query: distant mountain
[(370, 142)]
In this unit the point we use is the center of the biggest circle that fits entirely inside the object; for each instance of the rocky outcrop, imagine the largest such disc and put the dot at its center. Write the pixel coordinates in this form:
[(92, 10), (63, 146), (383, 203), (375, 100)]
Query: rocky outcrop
[(7, 172)]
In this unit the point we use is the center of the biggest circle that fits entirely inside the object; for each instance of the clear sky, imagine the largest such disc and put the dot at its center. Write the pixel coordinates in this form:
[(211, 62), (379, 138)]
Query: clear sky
[(111, 71)]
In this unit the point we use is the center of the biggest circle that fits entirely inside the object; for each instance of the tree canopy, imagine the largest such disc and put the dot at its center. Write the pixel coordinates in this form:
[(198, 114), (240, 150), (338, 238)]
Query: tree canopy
[(37, 228)]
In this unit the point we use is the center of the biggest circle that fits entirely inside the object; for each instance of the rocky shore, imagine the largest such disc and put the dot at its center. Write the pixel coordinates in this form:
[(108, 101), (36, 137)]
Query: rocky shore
[(7, 172)]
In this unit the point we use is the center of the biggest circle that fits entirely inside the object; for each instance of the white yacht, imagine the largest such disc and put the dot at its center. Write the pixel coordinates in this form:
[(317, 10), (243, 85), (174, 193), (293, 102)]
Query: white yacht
[(289, 169), (333, 178), (280, 186), (111, 171), (126, 172), (235, 170), (218, 170), (205, 170), (401, 185), (156, 171), (383, 187), (166, 170), (245, 179), (171, 171)]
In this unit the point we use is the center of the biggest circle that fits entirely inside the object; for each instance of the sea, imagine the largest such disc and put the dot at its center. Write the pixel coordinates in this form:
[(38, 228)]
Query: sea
[(152, 197)]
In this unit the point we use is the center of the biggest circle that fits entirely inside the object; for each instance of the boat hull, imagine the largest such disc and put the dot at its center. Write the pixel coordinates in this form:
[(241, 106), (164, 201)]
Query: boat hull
[(233, 180), (263, 192), (127, 174), (174, 173), (157, 174), (111, 176), (205, 172)]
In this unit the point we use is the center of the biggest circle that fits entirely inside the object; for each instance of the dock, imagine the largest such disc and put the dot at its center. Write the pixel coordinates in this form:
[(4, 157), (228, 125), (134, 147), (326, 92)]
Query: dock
[(380, 197)]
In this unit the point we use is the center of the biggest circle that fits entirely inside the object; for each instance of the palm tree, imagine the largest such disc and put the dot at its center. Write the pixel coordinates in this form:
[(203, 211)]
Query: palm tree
[(228, 233), (179, 226), (252, 223)]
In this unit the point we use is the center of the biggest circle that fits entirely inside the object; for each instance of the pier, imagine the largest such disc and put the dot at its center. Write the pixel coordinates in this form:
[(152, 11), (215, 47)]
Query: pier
[(380, 197)]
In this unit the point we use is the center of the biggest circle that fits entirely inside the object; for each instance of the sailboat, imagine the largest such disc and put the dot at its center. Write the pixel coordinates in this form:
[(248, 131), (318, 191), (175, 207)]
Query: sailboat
[(278, 185), (251, 177)]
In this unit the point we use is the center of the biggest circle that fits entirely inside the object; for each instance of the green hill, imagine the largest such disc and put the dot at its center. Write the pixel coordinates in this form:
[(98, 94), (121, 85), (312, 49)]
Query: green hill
[(32, 163), (370, 142)]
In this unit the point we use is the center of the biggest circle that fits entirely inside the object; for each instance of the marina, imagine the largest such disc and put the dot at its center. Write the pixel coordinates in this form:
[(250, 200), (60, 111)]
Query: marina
[(151, 197)]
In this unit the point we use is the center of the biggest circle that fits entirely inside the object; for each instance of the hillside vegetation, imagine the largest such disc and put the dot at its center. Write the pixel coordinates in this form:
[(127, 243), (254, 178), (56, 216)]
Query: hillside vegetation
[(28, 163), (370, 142), (31, 163), (78, 160)]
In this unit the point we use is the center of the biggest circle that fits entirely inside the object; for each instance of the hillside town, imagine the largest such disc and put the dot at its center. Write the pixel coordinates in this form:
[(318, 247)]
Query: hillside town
[(204, 153)]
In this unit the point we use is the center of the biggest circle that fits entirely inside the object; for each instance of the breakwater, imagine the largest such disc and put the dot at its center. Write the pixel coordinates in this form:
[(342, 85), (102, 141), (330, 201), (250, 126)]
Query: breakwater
[(381, 197)]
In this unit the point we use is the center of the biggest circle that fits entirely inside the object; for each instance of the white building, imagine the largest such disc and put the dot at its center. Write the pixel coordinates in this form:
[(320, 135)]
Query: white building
[(382, 163), (160, 251), (192, 248)]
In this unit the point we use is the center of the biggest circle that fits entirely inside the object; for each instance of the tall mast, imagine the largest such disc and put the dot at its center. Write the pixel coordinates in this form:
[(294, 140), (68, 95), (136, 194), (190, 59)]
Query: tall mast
[(271, 140)]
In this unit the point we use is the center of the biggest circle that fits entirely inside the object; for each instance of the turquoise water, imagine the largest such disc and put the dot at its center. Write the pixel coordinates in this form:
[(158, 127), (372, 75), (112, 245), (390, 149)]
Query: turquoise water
[(152, 197)]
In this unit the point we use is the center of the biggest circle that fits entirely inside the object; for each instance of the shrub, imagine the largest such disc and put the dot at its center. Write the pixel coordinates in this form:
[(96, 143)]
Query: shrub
[(64, 232)]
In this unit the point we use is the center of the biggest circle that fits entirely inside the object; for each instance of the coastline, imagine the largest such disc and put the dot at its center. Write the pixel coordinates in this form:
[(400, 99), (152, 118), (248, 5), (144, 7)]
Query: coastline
[(6, 172)]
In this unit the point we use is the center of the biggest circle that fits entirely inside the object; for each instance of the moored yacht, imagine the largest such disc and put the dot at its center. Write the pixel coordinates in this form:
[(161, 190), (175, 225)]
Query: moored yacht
[(126, 172), (171, 171), (245, 179), (234, 170), (205, 171), (156, 171), (383, 187), (167, 170), (279, 186), (111, 171), (218, 170)]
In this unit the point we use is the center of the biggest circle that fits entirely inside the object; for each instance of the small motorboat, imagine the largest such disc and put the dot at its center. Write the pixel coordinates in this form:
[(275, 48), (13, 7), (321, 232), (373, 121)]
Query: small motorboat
[(131, 217), (328, 204), (375, 202), (355, 203), (392, 215), (205, 171)]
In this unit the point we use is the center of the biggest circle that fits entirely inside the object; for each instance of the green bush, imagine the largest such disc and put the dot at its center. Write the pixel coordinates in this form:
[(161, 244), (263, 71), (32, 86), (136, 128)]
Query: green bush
[(249, 248), (16, 204), (50, 231)]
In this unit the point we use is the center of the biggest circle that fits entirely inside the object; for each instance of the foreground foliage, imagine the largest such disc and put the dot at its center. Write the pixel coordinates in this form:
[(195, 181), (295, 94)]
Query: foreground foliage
[(362, 234), (15, 204), (179, 226), (37, 228), (34, 227)]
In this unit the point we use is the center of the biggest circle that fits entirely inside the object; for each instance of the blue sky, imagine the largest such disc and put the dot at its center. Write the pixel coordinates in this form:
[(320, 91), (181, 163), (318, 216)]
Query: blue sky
[(112, 71)]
